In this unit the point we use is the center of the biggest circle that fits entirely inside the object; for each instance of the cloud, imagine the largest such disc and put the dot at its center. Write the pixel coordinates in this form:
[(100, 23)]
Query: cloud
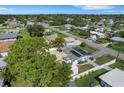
[(94, 7), (5, 9)]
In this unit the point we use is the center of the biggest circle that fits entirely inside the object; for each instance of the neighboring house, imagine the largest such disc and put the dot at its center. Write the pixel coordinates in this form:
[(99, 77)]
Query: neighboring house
[(13, 23), (97, 35), (113, 78), (110, 21), (68, 26), (72, 41), (8, 37), (2, 64), (1, 81), (4, 47), (50, 38), (117, 39)]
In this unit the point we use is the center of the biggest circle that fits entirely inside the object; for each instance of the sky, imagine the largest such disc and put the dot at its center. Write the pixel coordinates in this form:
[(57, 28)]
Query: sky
[(61, 9)]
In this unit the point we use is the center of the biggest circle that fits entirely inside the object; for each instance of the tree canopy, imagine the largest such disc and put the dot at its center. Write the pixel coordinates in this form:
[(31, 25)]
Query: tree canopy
[(59, 42), (30, 64), (35, 30)]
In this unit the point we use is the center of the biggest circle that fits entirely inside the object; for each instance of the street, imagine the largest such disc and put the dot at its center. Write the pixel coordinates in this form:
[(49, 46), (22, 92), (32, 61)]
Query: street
[(102, 49)]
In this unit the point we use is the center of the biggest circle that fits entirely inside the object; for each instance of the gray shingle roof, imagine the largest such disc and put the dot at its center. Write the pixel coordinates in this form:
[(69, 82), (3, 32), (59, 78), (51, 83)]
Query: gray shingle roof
[(117, 39), (2, 64), (114, 78), (1, 81), (8, 36)]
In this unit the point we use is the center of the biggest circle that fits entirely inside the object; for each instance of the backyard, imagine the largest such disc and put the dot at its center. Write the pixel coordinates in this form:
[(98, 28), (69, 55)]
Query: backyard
[(117, 46), (103, 59), (2, 30), (82, 68), (88, 49), (119, 64), (90, 79)]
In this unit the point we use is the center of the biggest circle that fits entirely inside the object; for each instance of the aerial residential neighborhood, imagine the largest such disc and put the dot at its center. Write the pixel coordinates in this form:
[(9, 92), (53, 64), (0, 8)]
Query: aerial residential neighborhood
[(62, 50)]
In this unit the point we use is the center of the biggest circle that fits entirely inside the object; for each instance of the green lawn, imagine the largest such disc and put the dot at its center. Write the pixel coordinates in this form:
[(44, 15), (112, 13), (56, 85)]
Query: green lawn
[(80, 33), (104, 59), (118, 47), (82, 68), (119, 64), (24, 33), (61, 35), (2, 30), (88, 49), (101, 41), (91, 78)]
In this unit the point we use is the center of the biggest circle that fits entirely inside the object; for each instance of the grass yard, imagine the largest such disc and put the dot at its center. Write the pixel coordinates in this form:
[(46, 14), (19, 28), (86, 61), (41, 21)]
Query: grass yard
[(24, 33), (101, 41), (2, 30), (88, 49), (119, 64), (80, 33), (104, 59), (82, 68), (118, 47), (61, 35), (91, 79)]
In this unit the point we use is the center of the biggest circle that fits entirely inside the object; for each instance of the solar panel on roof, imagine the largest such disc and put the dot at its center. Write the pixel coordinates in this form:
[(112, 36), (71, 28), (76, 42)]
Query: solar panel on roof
[(75, 53), (80, 51)]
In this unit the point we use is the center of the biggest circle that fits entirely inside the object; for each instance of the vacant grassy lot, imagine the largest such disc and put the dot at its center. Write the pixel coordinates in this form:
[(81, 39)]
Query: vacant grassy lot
[(118, 47), (104, 59), (119, 64), (83, 68), (88, 49), (101, 41), (90, 79)]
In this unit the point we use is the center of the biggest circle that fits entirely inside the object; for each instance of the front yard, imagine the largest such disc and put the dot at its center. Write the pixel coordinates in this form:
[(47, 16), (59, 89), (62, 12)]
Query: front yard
[(117, 46), (104, 59), (82, 68), (80, 33), (90, 79), (119, 64), (101, 41)]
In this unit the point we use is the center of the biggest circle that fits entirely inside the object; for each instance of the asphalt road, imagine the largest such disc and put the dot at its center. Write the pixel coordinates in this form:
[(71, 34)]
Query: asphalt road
[(102, 49)]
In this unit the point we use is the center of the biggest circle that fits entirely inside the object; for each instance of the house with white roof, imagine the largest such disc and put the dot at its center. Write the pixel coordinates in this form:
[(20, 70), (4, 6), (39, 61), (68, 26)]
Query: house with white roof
[(113, 78), (97, 35), (117, 39)]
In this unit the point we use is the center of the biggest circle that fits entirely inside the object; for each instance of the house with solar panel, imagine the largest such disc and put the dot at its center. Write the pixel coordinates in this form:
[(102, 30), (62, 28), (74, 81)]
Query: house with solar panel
[(75, 55)]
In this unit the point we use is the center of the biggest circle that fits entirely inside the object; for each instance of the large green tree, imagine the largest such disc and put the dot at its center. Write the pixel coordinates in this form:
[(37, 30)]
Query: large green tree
[(58, 42), (35, 30), (30, 64)]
